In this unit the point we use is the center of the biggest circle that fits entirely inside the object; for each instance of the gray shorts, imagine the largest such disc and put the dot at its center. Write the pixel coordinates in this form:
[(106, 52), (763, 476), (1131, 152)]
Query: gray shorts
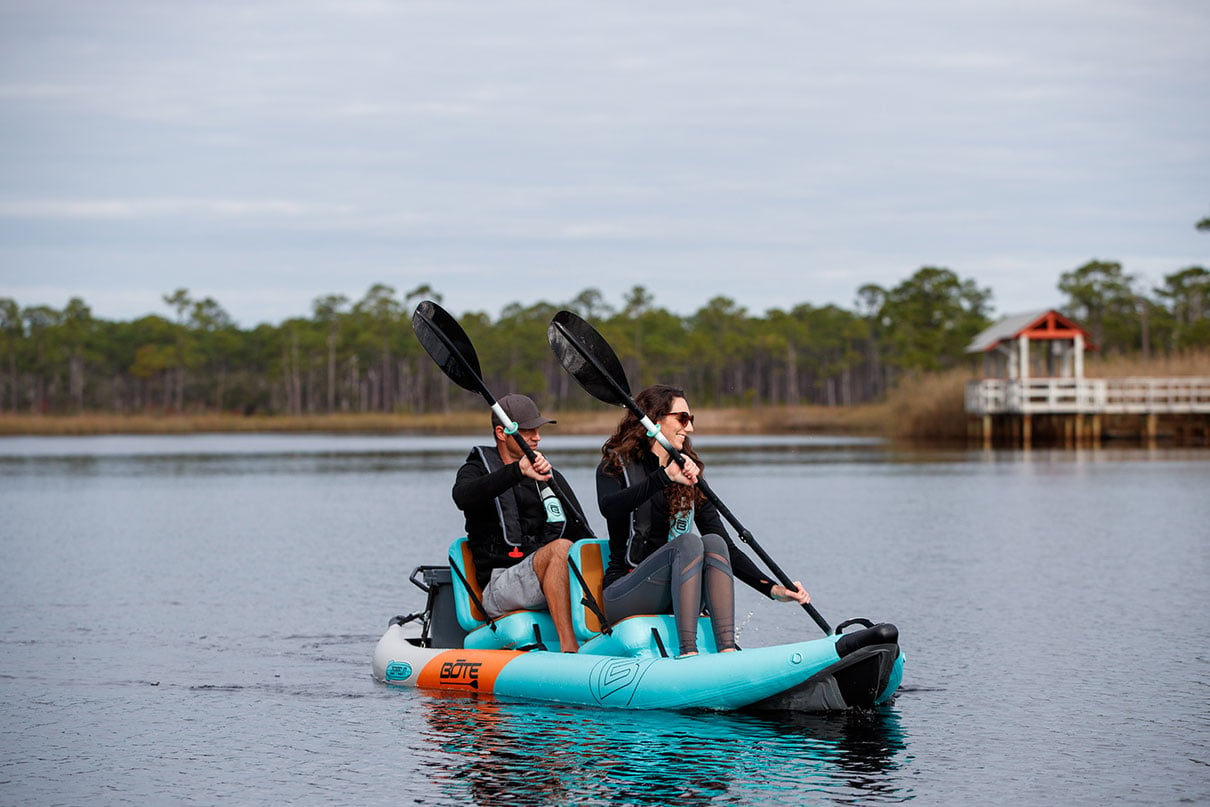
[(513, 589)]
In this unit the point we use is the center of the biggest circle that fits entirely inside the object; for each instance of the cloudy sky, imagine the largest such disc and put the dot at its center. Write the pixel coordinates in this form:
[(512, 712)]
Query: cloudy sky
[(774, 152)]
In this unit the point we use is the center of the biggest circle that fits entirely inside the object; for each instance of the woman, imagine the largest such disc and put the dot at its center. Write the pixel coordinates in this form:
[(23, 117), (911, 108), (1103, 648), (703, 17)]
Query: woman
[(656, 564)]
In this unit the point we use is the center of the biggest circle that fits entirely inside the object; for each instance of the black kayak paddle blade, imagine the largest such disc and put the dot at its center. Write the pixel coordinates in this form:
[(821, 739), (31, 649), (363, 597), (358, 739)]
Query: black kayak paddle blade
[(588, 357), (443, 338)]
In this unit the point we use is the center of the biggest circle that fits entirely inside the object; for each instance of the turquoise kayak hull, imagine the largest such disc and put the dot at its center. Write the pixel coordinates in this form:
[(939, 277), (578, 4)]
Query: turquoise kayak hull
[(802, 676)]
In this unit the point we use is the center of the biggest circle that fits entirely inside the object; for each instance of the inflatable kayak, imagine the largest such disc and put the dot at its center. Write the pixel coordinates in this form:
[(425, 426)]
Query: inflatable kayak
[(628, 665)]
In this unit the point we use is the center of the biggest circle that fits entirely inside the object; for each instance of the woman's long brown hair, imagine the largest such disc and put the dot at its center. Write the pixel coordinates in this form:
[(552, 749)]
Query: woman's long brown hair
[(629, 442)]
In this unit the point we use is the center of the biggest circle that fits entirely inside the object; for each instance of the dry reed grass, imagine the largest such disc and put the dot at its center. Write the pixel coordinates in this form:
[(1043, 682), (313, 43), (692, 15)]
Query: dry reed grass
[(758, 420), (928, 407), (104, 423), (1188, 363)]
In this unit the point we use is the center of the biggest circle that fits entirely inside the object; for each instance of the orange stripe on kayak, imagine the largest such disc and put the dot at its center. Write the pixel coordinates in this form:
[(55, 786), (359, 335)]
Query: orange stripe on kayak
[(467, 670)]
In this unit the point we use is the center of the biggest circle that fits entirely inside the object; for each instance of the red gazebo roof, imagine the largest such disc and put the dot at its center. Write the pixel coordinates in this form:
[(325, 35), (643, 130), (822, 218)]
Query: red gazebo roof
[(1035, 325)]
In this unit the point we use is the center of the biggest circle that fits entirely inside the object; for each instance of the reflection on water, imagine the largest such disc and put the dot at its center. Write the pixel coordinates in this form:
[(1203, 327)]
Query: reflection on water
[(494, 752)]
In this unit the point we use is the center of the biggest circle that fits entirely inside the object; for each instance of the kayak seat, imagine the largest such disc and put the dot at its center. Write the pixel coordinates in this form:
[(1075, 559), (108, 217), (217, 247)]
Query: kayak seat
[(516, 630), (590, 556), (649, 635)]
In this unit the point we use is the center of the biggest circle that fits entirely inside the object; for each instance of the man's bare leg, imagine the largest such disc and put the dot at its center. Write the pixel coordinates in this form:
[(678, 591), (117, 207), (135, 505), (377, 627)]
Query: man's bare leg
[(550, 565)]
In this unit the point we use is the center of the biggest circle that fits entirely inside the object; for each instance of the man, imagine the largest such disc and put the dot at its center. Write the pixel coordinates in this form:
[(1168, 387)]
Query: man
[(518, 533)]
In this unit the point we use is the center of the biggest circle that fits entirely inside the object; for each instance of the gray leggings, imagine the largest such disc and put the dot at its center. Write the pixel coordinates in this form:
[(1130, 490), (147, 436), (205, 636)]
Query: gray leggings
[(671, 579)]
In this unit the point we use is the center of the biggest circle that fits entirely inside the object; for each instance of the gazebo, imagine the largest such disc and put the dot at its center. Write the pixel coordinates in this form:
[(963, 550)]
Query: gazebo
[(1033, 364), (1035, 344)]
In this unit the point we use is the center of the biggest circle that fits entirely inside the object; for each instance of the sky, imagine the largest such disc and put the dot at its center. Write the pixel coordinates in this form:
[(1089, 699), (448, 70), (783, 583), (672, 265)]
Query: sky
[(266, 154)]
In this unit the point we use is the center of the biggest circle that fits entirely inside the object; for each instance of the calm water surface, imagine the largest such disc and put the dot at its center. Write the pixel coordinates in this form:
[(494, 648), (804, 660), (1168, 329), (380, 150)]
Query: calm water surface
[(191, 619)]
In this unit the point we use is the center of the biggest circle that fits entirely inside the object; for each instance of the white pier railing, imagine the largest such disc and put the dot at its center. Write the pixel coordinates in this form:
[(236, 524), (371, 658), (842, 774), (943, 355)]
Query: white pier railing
[(1091, 396)]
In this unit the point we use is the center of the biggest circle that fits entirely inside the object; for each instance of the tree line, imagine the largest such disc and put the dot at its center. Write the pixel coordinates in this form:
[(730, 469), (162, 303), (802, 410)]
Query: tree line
[(361, 356)]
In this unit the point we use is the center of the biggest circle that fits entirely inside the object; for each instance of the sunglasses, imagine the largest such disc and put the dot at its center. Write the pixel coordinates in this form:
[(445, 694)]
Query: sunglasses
[(684, 417)]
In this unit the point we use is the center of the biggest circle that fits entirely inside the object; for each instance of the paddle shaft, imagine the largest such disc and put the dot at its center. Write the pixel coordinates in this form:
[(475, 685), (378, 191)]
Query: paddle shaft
[(622, 396), (468, 369)]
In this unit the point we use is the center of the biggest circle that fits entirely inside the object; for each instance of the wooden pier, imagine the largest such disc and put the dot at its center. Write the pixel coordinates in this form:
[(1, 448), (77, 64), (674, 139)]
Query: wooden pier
[(1075, 411)]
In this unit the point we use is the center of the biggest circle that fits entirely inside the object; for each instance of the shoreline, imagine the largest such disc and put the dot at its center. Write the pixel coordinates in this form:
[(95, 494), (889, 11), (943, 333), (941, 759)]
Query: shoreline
[(863, 420)]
